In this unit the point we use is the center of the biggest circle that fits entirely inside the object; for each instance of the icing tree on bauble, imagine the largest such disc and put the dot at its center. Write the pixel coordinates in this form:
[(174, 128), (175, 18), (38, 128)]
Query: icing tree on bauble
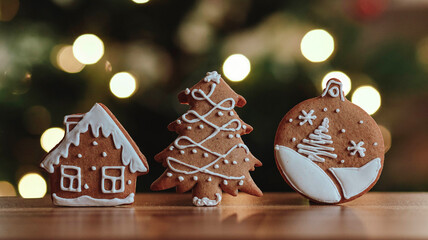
[(317, 144), (209, 155)]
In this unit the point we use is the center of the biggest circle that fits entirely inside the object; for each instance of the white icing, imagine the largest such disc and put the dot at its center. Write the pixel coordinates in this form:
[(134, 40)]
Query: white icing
[(181, 152), (194, 151), (305, 176), (98, 119), (325, 109), (293, 139), (230, 136), (192, 116), (241, 182), (209, 179), (361, 122), (171, 148), (189, 128), (93, 168), (231, 113), (104, 154), (195, 178), (314, 147), (201, 126), (343, 130), (334, 91), (68, 122), (357, 147), (234, 162), (238, 135), (187, 91), (180, 178), (225, 182), (342, 161), (179, 121), (244, 127), (225, 161), (86, 186), (129, 182), (356, 180), (246, 159), (113, 179), (220, 114), (375, 144), (71, 178), (169, 174), (290, 120), (337, 110), (94, 143), (201, 202), (90, 201), (79, 155), (307, 117), (205, 154)]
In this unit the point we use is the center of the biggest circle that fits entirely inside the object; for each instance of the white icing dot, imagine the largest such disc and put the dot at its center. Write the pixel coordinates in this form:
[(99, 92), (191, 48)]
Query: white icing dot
[(86, 186), (189, 128), (342, 161), (230, 136), (225, 182), (246, 159), (237, 135), (225, 161), (180, 178), (187, 91), (201, 126), (231, 113), (361, 122), (104, 154), (240, 183), (337, 110), (234, 162), (79, 155), (375, 144), (93, 168), (194, 151), (195, 178), (209, 179), (220, 114), (179, 121), (94, 143), (343, 130), (129, 182), (216, 166), (293, 139), (205, 154), (325, 109), (181, 152), (169, 174), (171, 148), (244, 127), (290, 120)]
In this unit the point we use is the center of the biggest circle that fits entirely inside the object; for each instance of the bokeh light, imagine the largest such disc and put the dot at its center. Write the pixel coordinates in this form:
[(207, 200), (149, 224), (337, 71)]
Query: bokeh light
[(51, 137), (387, 138), (88, 49), (32, 185), (6, 189), (8, 9), (123, 85), (140, 1), (236, 67), (346, 81), (368, 98), (67, 62), (317, 45)]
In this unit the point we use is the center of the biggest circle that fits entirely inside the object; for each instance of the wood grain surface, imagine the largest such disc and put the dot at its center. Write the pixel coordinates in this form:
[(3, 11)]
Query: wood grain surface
[(170, 216)]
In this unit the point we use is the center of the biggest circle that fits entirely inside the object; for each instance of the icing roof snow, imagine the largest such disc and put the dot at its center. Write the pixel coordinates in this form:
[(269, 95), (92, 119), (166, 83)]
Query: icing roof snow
[(98, 119)]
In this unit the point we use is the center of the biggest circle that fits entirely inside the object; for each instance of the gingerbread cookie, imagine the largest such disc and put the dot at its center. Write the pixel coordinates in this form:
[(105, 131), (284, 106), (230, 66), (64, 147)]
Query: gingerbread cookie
[(96, 163), (328, 149), (209, 155)]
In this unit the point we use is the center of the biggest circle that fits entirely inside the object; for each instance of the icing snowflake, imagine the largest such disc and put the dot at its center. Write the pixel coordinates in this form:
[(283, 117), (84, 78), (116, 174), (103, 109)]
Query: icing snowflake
[(357, 147), (212, 76), (307, 117)]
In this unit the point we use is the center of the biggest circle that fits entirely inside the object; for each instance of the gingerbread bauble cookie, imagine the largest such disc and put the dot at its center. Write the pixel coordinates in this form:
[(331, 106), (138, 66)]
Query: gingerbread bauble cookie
[(209, 155), (329, 149), (96, 163)]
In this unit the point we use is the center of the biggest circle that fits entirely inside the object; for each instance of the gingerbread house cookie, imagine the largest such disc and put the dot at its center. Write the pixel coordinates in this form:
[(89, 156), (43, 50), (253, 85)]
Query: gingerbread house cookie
[(329, 149), (96, 163)]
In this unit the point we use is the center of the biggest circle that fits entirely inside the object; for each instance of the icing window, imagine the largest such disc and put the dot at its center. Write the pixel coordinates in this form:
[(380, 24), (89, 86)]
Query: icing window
[(113, 179), (70, 178)]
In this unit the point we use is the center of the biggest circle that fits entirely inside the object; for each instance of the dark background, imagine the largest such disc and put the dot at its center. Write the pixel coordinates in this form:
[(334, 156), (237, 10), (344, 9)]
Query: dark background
[(169, 45)]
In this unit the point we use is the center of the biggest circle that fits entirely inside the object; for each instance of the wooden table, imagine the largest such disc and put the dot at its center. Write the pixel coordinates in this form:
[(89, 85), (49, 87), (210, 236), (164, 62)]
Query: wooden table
[(170, 216)]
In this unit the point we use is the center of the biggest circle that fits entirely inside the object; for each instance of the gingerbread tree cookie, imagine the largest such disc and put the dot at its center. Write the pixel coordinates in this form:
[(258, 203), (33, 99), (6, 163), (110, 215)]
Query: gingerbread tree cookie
[(329, 149), (209, 155)]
